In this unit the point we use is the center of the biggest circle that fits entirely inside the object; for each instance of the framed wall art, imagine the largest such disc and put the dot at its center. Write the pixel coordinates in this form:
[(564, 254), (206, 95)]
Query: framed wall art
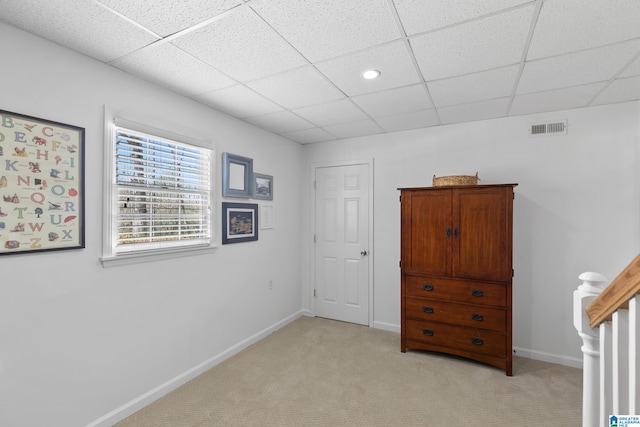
[(41, 185), (236, 175), (262, 186), (266, 216), (239, 222)]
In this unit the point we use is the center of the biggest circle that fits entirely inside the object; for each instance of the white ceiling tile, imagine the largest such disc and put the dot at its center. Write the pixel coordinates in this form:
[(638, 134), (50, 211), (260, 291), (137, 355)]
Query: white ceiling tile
[(415, 120), (392, 60), (166, 17), (242, 46), (576, 68), (418, 15), (553, 100), (168, 66), (281, 122), (621, 90), (354, 129), (481, 86), (297, 88), (239, 101), (328, 28), (568, 25), (394, 101), (633, 69), (332, 113), (476, 111), (83, 26), (478, 45), (309, 136)]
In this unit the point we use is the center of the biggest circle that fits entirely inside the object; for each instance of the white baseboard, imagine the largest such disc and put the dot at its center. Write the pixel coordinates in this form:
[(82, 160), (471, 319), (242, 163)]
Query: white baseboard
[(548, 357), (387, 327), (145, 399)]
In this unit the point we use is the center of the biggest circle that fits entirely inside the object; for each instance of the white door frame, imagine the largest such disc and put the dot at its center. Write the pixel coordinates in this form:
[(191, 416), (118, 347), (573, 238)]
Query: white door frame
[(312, 252)]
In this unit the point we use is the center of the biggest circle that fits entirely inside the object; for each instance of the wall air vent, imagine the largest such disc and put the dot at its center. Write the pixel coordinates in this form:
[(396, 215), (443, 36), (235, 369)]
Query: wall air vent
[(548, 128)]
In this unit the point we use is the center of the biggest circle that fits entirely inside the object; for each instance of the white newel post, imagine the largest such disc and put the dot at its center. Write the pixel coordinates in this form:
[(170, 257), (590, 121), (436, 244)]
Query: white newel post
[(592, 285)]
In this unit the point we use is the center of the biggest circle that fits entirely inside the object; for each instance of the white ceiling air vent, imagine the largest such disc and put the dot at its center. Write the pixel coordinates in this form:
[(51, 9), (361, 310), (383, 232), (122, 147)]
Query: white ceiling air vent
[(555, 128)]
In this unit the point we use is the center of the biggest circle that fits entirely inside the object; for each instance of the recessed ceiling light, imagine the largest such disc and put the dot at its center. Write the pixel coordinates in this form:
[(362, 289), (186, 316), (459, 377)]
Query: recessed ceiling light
[(371, 74)]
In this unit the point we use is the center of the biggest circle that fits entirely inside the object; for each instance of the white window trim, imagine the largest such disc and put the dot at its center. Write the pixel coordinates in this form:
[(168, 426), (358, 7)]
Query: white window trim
[(109, 258)]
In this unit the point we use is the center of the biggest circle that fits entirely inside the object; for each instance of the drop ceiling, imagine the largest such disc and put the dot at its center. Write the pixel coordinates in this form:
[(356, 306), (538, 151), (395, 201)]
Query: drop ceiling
[(294, 67)]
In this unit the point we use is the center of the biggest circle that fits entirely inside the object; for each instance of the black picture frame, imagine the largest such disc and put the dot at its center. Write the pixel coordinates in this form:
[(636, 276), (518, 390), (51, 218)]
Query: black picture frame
[(42, 203), (236, 175), (239, 222)]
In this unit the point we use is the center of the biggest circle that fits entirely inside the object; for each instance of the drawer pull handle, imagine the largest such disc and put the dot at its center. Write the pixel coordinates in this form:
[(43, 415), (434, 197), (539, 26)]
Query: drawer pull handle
[(428, 332), (477, 293), (477, 341), (478, 317), (448, 231), (427, 309), (427, 287)]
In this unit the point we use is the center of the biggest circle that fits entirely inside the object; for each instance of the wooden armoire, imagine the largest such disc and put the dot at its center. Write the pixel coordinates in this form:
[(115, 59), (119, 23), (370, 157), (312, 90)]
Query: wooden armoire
[(456, 271)]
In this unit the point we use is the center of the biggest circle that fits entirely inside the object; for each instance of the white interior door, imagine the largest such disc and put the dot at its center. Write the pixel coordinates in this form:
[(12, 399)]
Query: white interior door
[(342, 243)]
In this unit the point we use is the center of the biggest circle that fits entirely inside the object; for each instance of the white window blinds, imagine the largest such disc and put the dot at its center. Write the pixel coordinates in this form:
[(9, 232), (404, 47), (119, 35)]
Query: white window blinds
[(163, 193)]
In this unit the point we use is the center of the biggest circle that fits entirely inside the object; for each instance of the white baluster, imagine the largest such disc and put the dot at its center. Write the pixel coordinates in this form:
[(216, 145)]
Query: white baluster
[(620, 378), (634, 357), (606, 372), (592, 285)]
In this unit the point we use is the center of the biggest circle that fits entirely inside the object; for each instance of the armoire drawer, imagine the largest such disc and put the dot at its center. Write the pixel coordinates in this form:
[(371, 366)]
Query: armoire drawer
[(453, 290), (475, 316), (458, 337)]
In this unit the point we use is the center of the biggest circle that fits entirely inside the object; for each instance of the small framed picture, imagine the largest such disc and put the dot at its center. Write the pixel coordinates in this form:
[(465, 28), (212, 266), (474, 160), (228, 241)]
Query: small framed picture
[(239, 222), (237, 173), (262, 186), (266, 216)]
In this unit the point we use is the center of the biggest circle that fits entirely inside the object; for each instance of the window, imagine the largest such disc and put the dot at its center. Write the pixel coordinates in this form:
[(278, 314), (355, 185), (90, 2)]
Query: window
[(160, 191)]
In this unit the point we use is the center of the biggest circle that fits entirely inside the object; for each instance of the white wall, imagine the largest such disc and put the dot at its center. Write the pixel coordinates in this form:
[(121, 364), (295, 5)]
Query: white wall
[(576, 208), (77, 340)]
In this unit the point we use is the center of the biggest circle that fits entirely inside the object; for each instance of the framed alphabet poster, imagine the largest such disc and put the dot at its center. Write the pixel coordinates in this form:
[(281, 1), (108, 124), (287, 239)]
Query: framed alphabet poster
[(41, 185)]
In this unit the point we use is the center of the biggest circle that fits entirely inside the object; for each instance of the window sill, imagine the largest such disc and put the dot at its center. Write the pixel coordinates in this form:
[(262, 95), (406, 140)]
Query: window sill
[(140, 257)]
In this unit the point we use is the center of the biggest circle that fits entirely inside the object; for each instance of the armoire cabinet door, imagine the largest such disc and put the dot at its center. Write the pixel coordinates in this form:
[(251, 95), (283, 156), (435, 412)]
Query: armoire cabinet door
[(427, 232), (482, 233)]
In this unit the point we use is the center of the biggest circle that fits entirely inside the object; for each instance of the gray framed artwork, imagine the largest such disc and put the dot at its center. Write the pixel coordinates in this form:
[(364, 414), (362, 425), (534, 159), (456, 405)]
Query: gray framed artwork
[(237, 172), (262, 186)]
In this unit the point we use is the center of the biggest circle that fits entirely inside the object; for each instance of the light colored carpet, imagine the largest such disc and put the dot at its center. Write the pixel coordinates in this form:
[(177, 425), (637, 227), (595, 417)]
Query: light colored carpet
[(319, 372)]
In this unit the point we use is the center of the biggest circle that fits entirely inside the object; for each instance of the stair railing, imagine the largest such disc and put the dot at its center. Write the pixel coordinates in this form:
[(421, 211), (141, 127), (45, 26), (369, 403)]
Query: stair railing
[(607, 320)]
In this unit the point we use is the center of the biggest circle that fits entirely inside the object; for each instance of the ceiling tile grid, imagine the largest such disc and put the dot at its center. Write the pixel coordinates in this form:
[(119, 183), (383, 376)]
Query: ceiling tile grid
[(297, 88), (329, 28), (553, 100), (66, 22), (394, 101), (416, 18), (478, 45), (569, 25), (587, 66), (332, 113), (239, 101), (393, 60), (242, 46), (294, 67), (407, 121), (165, 17), (475, 87), (168, 66)]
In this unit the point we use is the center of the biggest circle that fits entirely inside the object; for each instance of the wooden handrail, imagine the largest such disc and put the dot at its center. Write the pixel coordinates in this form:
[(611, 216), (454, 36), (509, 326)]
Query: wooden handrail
[(616, 295)]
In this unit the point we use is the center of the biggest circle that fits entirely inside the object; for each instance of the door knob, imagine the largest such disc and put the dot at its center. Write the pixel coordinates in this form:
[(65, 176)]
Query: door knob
[(363, 253)]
